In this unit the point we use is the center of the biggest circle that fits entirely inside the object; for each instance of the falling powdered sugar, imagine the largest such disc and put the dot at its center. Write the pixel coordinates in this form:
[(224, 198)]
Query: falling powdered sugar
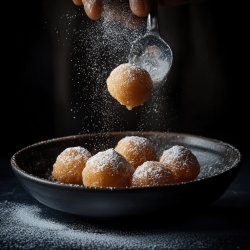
[(96, 48), (99, 47), (92, 49)]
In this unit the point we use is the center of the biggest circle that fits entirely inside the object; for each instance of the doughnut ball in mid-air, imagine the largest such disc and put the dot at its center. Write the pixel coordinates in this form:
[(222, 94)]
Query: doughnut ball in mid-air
[(130, 85), (152, 173), (69, 165), (182, 162), (136, 150), (107, 169)]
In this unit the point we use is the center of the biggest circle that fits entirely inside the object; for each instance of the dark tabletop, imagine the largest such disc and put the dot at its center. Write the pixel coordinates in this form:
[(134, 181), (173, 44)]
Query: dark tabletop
[(27, 224)]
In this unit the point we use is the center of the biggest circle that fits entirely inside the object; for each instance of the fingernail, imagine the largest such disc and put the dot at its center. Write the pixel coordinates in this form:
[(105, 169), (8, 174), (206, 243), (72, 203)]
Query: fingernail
[(140, 8)]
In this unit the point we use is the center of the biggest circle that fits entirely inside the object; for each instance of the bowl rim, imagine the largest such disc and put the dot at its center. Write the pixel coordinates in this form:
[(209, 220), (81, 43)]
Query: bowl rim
[(20, 172)]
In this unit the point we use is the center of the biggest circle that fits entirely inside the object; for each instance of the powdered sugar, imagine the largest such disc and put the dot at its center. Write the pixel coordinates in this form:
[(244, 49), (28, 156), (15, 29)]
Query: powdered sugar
[(152, 173), (149, 169), (154, 62), (137, 141), (73, 154), (128, 73), (99, 47), (31, 226), (178, 154), (108, 158), (136, 150), (182, 162), (136, 144), (31, 218), (95, 49)]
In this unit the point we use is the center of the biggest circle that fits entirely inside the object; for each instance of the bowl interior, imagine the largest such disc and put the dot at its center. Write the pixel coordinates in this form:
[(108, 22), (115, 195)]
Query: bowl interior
[(215, 157)]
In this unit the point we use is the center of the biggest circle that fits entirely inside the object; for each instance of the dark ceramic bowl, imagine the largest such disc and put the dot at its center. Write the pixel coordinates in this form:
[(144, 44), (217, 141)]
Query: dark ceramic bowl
[(219, 164)]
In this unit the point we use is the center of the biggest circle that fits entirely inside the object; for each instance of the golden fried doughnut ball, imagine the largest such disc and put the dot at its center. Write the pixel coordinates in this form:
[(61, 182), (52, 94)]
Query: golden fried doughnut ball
[(130, 85), (69, 165), (107, 169), (152, 173), (136, 150), (182, 162)]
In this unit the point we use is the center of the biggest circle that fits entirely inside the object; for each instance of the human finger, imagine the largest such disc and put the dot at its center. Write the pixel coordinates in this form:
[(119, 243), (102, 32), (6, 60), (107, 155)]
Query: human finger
[(77, 2), (140, 8), (93, 8)]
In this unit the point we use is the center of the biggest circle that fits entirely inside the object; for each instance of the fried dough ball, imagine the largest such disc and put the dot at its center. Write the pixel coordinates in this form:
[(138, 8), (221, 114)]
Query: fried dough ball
[(182, 162), (152, 173), (69, 165), (130, 85), (107, 169), (136, 150)]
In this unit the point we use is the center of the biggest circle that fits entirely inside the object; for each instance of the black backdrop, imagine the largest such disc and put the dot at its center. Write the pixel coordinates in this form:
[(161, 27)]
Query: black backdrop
[(28, 92)]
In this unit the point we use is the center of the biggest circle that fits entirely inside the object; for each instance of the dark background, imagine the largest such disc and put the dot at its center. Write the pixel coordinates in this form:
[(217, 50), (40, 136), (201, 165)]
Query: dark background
[(30, 85), (207, 94)]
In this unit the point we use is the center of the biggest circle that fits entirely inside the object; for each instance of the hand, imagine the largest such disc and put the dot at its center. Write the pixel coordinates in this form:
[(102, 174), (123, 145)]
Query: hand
[(93, 8), (140, 8)]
